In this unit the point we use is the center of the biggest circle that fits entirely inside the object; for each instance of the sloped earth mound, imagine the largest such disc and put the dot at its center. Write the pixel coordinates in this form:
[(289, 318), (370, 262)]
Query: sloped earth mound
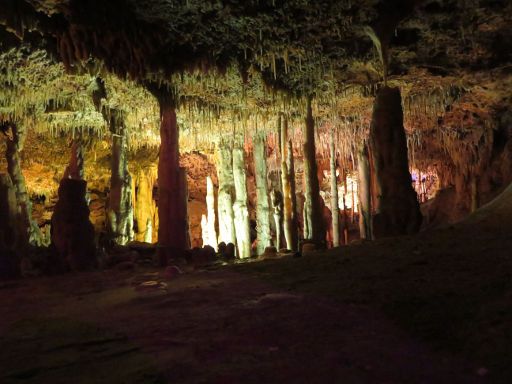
[(430, 309)]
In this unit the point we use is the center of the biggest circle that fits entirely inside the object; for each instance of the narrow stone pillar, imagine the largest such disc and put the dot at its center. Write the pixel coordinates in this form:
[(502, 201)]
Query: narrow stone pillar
[(9, 247), (145, 207), (295, 220), (397, 208), (120, 207), (226, 194), (364, 192), (211, 232), (334, 195), (240, 208), (172, 206), (277, 205), (262, 195), (15, 142), (287, 180), (314, 228)]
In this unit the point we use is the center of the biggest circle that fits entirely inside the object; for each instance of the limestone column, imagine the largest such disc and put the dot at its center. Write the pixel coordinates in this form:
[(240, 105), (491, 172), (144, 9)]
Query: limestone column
[(120, 207), (295, 221), (211, 232), (15, 142), (226, 194), (334, 194), (277, 205), (314, 228), (9, 247), (287, 180), (172, 206), (240, 208), (145, 207), (264, 238), (397, 208), (364, 191)]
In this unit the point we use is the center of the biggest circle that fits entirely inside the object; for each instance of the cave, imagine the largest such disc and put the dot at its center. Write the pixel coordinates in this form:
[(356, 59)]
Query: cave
[(257, 191)]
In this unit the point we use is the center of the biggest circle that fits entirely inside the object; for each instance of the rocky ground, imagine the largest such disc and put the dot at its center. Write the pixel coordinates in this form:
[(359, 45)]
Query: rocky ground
[(434, 308)]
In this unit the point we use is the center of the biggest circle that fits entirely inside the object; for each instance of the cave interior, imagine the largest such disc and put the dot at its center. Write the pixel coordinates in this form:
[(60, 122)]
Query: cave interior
[(259, 191)]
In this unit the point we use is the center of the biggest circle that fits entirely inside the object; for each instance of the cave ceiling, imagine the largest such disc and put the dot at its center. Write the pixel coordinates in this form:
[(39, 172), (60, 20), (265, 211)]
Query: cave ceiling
[(244, 62)]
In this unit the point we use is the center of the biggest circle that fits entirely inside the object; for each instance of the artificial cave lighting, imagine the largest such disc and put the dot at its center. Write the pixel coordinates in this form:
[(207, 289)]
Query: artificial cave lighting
[(255, 191)]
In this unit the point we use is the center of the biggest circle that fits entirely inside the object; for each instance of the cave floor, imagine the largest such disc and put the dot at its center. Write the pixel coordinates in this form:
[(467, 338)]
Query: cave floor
[(434, 308)]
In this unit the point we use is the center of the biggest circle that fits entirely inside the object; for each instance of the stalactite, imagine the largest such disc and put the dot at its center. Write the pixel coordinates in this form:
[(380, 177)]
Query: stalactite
[(240, 208), (364, 190), (289, 219), (31, 232), (397, 208), (226, 194), (334, 195), (264, 238), (314, 228), (120, 206)]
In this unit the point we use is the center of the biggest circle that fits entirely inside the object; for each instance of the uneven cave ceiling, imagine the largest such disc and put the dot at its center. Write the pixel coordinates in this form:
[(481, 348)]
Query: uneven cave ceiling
[(252, 60)]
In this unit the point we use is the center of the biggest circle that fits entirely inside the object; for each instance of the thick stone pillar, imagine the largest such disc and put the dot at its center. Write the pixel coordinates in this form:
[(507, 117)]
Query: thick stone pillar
[(334, 195), (31, 233), (287, 181), (262, 195), (120, 207), (9, 247), (226, 194), (72, 232), (314, 228), (364, 192), (397, 208), (240, 208), (172, 201), (210, 231)]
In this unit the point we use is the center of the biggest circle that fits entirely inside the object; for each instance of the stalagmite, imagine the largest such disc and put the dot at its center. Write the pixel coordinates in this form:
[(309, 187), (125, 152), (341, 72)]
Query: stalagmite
[(31, 232), (120, 207), (264, 238), (145, 207), (240, 208), (226, 194), (72, 232), (397, 208), (173, 237), (314, 228), (364, 190), (211, 232), (334, 195), (9, 247), (287, 179)]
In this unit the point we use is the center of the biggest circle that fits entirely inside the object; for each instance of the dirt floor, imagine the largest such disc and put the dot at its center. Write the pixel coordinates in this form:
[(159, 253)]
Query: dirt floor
[(430, 309)]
